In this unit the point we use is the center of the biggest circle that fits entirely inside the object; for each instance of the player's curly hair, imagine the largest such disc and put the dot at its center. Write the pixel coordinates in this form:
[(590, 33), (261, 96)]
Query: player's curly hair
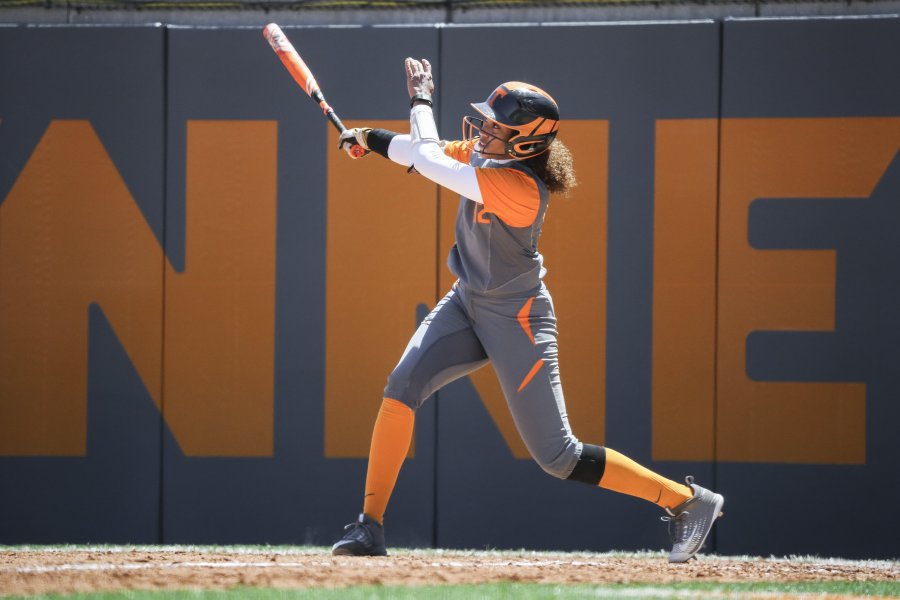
[(555, 168)]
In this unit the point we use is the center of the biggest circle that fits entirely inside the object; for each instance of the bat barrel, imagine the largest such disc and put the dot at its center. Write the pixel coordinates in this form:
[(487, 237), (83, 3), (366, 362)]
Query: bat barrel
[(276, 38)]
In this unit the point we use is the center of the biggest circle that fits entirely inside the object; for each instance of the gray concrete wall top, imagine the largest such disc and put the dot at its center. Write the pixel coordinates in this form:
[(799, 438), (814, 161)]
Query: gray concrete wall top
[(293, 15)]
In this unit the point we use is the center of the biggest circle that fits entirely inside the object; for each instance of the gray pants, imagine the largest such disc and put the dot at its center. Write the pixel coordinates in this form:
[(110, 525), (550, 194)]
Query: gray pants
[(517, 335)]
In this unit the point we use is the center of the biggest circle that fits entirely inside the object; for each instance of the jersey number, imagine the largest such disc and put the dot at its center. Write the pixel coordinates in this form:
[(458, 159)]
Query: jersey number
[(480, 216)]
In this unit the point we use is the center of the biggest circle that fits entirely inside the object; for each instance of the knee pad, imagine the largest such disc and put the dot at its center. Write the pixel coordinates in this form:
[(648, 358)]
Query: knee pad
[(590, 466)]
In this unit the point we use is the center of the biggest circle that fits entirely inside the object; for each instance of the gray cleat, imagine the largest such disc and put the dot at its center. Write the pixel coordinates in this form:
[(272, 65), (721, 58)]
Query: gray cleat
[(690, 521), (364, 537)]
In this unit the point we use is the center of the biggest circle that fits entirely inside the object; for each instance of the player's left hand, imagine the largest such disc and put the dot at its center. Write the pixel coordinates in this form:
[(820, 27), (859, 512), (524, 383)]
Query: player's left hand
[(355, 137)]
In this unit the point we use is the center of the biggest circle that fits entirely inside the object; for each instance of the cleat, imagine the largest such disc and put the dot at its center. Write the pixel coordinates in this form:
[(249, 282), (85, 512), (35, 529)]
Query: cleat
[(364, 537), (691, 521)]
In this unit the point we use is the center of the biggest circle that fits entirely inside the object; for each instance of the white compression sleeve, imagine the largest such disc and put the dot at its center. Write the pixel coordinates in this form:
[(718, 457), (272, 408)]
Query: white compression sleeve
[(421, 125), (400, 150), (430, 161)]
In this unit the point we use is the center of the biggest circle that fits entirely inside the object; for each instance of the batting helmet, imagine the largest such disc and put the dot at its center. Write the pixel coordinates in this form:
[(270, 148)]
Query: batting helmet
[(529, 111)]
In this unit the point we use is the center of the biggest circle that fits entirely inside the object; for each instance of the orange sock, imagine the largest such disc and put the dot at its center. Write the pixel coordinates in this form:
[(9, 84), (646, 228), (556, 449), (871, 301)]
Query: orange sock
[(625, 476), (390, 444)]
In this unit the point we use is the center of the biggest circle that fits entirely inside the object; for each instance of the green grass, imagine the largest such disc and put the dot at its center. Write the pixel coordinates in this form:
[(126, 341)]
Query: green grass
[(513, 591)]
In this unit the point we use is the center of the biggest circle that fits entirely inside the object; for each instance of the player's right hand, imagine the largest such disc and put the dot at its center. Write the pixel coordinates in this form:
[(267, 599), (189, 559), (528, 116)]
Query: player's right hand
[(418, 77), (355, 137)]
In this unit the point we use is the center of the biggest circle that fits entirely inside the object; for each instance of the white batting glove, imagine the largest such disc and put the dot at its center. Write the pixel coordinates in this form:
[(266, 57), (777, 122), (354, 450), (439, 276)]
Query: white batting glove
[(352, 138)]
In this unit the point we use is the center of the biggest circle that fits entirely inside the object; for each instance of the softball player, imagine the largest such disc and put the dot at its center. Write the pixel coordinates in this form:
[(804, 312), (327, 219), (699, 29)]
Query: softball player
[(499, 310)]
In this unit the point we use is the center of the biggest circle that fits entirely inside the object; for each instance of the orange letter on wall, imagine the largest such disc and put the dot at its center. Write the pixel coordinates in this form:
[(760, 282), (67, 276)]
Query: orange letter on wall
[(763, 421), (71, 235)]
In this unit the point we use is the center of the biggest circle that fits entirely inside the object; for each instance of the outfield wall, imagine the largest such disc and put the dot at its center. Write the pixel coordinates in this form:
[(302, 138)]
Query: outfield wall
[(201, 297)]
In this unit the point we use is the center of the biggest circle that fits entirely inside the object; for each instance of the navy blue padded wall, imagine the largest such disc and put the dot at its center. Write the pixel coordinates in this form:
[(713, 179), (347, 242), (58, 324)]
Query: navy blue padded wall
[(823, 68)]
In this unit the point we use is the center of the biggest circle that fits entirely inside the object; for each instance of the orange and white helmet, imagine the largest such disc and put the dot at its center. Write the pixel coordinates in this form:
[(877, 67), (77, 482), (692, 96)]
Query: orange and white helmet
[(529, 111)]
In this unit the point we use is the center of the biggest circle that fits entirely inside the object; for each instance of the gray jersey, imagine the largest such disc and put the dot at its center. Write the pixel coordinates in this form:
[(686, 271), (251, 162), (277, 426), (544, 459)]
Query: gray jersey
[(490, 254)]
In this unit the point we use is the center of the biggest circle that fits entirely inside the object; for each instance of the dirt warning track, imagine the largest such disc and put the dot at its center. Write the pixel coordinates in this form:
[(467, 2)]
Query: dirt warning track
[(35, 571)]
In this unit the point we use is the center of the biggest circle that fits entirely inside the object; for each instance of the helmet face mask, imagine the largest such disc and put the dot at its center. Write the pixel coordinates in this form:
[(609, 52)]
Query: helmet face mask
[(531, 113), (475, 128)]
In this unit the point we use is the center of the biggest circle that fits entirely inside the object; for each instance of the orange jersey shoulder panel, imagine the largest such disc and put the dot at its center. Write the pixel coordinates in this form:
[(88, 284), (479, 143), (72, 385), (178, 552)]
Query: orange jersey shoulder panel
[(510, 194), (460, 150)]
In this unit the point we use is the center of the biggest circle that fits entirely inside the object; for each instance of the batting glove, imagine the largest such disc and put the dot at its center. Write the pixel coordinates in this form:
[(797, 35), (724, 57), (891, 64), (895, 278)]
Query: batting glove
[(355, 137)]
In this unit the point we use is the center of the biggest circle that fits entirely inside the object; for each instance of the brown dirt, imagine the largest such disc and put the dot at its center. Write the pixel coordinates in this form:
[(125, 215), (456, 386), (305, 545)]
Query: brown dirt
[(41, 571)]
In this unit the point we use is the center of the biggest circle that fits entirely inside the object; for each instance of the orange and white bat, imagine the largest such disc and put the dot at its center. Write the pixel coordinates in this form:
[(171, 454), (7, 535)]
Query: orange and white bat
[(291, 60)]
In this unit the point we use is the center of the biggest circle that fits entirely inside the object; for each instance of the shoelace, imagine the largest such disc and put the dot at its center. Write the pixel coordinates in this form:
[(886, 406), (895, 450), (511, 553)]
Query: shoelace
[(355, 528), (358, 525), (676, 528)]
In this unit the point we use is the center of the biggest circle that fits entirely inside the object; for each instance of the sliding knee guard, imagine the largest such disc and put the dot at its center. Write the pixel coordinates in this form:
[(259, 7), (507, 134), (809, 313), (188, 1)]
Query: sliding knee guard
[(590, 466)]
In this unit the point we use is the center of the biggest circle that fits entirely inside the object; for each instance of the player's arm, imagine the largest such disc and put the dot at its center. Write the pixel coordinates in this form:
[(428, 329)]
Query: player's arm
[(429, 159), (507, 193), (398, 146), (428, 156)]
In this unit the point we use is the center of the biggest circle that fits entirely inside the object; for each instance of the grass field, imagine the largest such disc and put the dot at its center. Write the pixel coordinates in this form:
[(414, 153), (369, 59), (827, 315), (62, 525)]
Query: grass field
[(274, 573), (511, 591)]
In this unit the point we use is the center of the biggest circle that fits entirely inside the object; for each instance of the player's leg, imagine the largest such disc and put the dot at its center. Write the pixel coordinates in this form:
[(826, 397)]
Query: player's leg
[(443, 348), (520, 339), (522, 344)]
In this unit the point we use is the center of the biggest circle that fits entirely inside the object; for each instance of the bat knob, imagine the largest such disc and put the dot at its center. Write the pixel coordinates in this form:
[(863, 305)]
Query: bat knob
[(357, 151)]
